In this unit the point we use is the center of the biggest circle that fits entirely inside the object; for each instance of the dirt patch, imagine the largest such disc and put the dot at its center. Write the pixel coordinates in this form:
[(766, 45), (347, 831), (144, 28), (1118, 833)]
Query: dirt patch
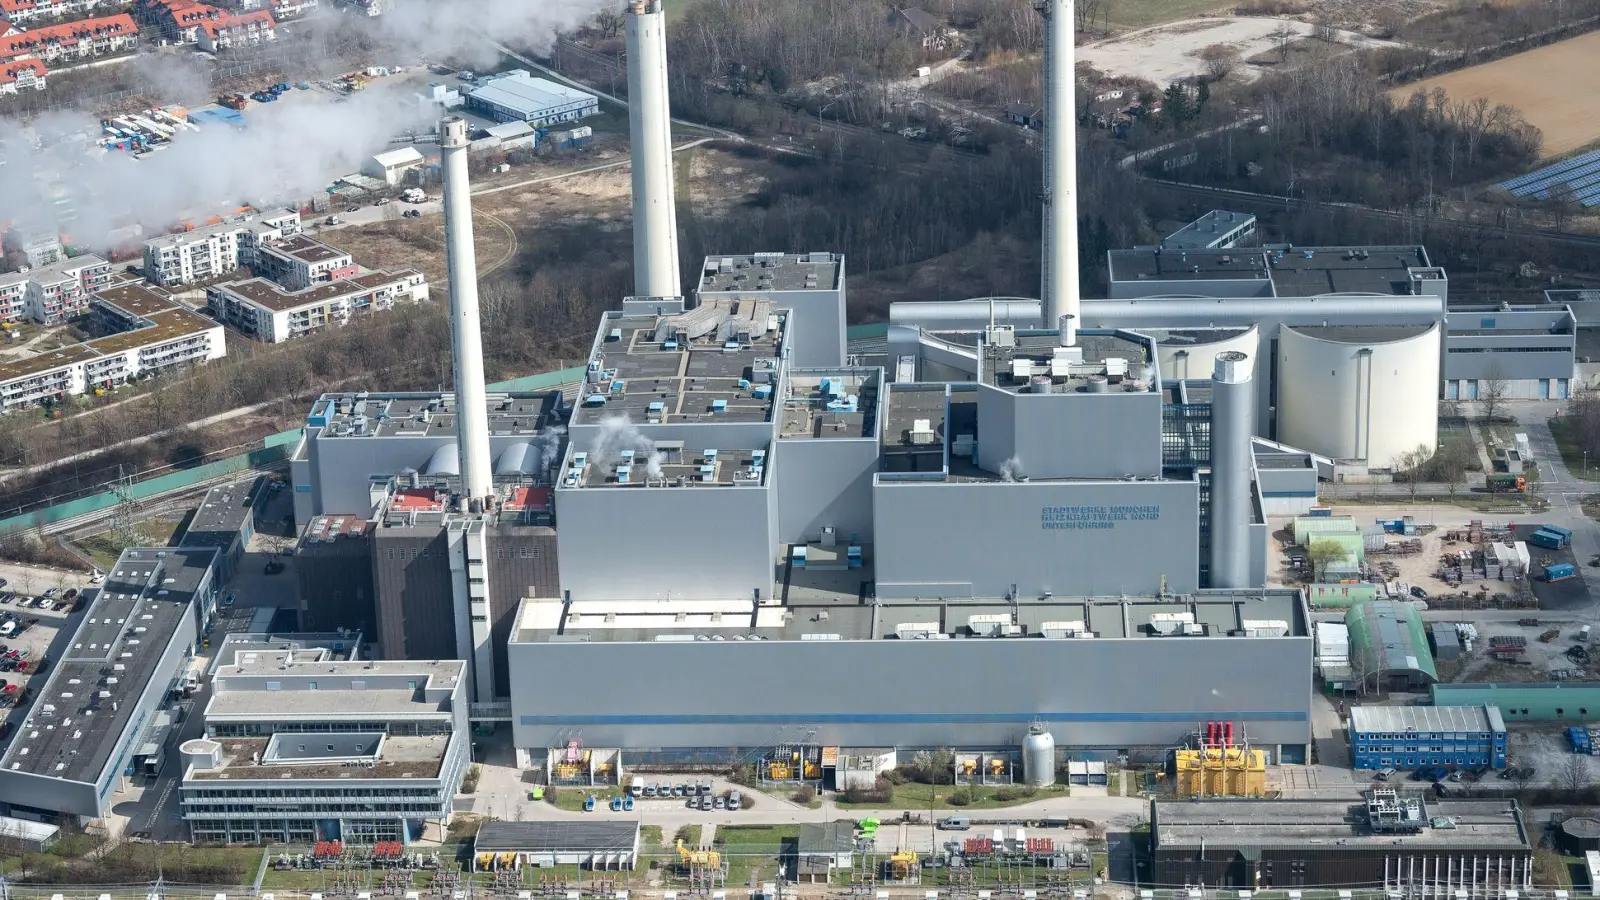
[(1172, 52), (1536, 84)]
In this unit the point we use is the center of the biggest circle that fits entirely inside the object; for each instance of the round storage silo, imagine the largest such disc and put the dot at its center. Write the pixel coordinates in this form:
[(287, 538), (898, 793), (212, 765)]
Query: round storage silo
[(200, 753), (1038, 757), (1580, 834), (1189, 353), (1359, 392)]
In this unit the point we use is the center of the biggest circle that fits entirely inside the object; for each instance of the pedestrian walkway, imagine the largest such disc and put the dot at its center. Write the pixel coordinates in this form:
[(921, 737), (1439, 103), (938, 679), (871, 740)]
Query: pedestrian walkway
[(1479, 445)]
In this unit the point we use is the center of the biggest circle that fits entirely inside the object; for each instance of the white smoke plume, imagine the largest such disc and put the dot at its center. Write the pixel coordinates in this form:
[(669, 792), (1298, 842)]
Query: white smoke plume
[(1011, 470), (547, 445), (52, 177), (617, 434)]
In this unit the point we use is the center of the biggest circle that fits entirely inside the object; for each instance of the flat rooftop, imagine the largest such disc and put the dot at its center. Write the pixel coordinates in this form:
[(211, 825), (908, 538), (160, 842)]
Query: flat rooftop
[(45, 362), (666, 464), (370, 415), (520, 91), (1209, 227), (135, 299), (397, 757), (1312, 271), (713, 363), (1293, 272), (1427, 719), (1361, 334), (306, 249), (1210, 614), (222, 514), (1225, 824), (272, 296), (771, 272), (556, 836), (93, 692), (311, 646), (842, 404), (363, 689), (167, 325), (1100, 363)]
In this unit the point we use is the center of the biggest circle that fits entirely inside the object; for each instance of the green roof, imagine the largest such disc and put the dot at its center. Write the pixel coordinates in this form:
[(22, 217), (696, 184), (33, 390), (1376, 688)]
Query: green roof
[(1388, 636)]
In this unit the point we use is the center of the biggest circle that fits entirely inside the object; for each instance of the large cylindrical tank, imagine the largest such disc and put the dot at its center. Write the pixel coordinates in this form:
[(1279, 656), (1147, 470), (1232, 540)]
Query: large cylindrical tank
[(1580, 834), (1359, 392), (1190, 352), (1038, 757), (200, 753), (1233, 404)]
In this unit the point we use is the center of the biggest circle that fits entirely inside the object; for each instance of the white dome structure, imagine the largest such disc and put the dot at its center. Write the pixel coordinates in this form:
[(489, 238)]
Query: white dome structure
[(1359, 392)]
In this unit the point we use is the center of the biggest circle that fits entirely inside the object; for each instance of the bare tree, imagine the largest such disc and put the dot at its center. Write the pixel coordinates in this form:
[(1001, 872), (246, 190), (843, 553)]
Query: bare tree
[(1492, 390), (1283, 36), (1412, 465), (608, 22), (1220, 60), (1573, 776)]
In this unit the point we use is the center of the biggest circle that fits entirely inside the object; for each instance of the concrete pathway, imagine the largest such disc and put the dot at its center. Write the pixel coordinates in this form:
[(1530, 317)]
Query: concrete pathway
[(1478, 444)]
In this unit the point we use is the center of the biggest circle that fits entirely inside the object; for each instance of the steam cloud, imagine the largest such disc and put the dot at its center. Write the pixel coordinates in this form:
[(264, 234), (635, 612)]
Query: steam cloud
[(50, 178), (617, 434), (1011, 470), (547, 443)]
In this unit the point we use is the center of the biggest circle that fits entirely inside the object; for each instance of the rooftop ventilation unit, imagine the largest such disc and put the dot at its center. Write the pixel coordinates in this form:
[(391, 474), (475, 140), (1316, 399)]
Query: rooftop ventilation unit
[(1171, 623), (917, 631), (1071, 629)]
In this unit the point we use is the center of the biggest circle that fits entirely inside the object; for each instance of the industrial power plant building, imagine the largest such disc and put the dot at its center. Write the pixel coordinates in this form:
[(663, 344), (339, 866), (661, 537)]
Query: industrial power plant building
[(1403, 843)]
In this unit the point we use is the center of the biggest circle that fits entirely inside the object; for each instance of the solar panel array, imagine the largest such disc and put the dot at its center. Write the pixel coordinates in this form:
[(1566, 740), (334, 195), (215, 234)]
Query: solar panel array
[(1578, 178)]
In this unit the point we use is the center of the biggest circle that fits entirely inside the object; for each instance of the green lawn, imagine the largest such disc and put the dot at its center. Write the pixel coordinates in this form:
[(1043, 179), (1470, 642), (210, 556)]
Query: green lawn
[(105, 547), (1455, 441), (1571, 453), (650, 835), (928, 796), (1130, 14), (571, 798), (752, 851)]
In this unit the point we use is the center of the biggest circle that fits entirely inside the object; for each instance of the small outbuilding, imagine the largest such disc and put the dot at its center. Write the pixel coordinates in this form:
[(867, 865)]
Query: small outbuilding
[(609, 846), (391, 166), (825, 848), (27, 835)]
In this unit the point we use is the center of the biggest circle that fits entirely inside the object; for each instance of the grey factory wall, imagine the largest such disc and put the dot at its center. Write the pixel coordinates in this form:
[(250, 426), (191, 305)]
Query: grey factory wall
[(825, 482), (341, 466), (959, 692), (523, 563), (643, 543), (1070, 538), (1511, 357), (722, 435), (336, 589), (416, 603), (1070, 435)]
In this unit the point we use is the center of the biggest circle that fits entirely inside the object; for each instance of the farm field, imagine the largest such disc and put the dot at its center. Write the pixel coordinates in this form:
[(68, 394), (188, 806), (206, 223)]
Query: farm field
[(1532, 82)]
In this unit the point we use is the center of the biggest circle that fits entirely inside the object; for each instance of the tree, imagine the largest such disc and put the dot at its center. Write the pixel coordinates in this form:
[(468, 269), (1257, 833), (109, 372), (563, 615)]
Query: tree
[(1412, 466), (1284, 35), (1492, 390), (608, 22), (1573, 776), (1324, 553), (1220, 60), (1175, 106)]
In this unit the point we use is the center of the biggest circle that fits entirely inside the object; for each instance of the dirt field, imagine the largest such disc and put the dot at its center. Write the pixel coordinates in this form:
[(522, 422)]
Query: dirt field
[(1171, 52), (1534, 82)]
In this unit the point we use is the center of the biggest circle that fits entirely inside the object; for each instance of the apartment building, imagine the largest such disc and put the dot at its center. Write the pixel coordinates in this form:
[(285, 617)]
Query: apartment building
[(230, 29), (214, 250), (178, 21), (267, 312), (71, 42), (148, 334), (55, 293), (37, 246), (21, 12), (298, 262), (22, 75), (302, 746)]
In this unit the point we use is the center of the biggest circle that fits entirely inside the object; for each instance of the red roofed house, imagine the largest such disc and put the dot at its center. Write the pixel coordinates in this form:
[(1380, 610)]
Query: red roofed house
[(179, 21), (21, 75), (71, 41), (21, 12), (281, 9), (237, 30), (7, 29)]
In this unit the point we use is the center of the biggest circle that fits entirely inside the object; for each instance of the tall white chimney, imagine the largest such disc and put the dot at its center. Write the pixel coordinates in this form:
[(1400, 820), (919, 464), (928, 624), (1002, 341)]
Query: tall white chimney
[(1233, 406), (1059, 262), (472, 405), (655, 213)]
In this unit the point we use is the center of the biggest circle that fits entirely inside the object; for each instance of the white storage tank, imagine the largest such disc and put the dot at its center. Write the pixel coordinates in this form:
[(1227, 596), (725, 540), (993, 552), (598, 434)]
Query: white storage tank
[(1359, 392), (201, 753), (1038, 757), (1190, 353)]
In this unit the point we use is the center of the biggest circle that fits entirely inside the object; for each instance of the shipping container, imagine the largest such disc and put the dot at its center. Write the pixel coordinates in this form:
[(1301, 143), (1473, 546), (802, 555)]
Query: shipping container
[(1560, 572)]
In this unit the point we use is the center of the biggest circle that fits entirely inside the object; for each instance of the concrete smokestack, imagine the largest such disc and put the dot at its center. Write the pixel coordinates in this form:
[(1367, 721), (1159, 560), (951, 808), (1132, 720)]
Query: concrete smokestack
[(655, 212), (472, 405), (1233, 404), (1059, 263)]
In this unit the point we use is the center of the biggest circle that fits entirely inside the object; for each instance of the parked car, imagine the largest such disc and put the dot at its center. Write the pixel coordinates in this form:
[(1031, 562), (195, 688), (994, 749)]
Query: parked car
[(734, 800), (718, 803), (50, 592), (705, 804)]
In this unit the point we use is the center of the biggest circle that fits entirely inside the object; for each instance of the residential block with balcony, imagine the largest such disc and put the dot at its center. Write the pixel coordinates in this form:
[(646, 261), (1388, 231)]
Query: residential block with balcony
[(268, 312)]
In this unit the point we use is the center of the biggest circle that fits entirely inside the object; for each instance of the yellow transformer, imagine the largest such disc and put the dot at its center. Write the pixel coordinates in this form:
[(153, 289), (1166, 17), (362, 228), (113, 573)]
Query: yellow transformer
[(1221, 772)]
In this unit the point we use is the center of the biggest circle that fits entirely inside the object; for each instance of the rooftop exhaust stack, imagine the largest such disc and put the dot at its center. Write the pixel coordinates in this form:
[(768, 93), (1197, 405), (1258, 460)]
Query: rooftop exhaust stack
[(1233, 404), (472, 405), (655, 214), (1059, 262)]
